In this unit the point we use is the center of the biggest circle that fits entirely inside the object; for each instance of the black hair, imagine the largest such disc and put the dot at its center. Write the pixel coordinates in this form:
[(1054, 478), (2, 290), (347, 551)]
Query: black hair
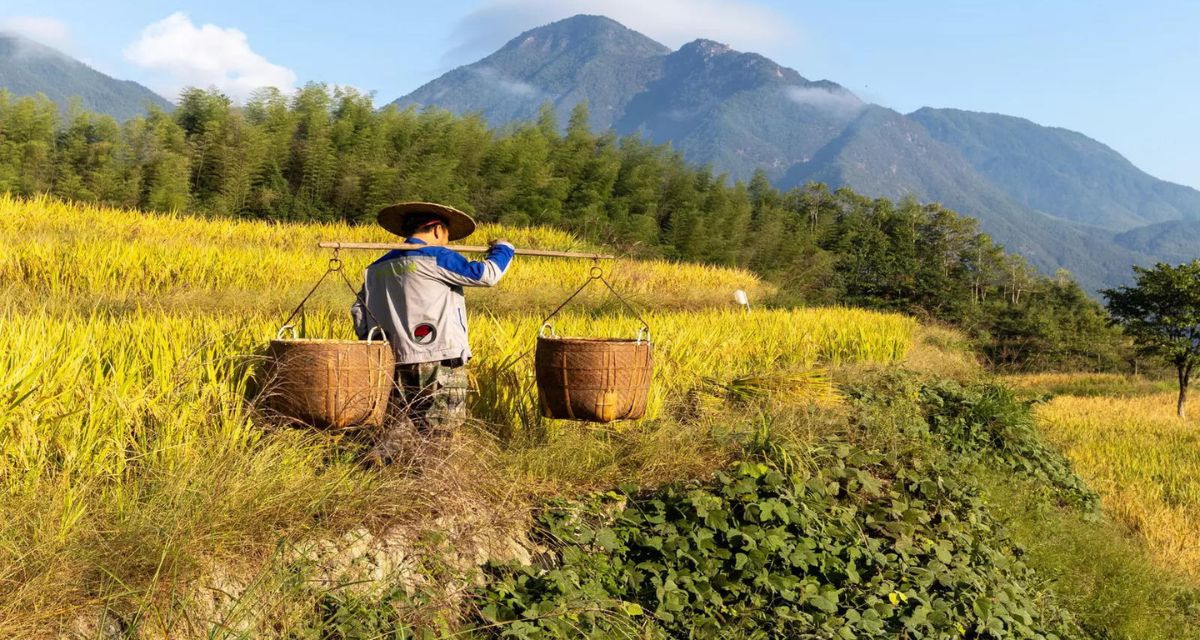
[(414, 222)]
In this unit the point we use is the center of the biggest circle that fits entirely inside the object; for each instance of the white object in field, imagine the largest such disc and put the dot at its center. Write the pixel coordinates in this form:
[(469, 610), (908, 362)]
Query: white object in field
[(741, 298)]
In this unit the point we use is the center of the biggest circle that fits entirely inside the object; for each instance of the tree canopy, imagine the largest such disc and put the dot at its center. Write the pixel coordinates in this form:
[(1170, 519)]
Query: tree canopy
[(1161, 312)]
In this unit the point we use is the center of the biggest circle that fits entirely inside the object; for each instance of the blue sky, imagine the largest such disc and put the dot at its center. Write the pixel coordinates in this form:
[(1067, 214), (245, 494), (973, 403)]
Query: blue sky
[(1125, 73)]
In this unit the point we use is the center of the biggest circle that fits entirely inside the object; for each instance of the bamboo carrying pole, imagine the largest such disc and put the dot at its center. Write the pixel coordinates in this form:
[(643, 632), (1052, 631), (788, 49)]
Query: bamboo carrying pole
[(382, 246)]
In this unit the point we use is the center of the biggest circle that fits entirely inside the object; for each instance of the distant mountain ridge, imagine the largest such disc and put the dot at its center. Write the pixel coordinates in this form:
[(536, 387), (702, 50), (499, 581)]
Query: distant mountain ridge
[(706, 99), (1059, 171), (1174, 242), (884, 154), (28, 68), (1053, 195)]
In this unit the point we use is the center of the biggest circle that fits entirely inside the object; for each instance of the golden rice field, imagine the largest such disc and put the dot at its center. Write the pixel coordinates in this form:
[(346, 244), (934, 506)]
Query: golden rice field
[(1131, 448), (130, 461), (55, 250), (86, 396)]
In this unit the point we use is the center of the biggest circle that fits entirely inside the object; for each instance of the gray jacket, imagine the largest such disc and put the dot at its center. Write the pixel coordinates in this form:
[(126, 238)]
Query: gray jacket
[(417, 298)]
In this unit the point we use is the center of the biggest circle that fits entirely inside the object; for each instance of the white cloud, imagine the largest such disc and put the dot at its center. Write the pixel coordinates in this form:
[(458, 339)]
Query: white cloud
[(186, 55), (740, 23), (507, 85), (836, 100), (51, 32)]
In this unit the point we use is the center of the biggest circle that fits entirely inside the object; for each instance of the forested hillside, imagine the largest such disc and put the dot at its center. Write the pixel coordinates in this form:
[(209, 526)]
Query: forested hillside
[(884, 154), (28, 68), (322, 155), (1176, 241)]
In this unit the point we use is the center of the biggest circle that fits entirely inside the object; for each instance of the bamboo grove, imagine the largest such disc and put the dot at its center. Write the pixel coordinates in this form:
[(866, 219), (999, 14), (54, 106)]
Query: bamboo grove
[(329, 156)]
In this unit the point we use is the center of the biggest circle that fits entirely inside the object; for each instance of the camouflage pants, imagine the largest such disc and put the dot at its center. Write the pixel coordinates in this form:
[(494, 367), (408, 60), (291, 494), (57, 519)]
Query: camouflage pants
[(432, 395), (426, 409)]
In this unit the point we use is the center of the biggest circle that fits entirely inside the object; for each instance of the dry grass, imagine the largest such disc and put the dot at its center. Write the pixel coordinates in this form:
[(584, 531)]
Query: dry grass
[(1089, 384), (942, 351)]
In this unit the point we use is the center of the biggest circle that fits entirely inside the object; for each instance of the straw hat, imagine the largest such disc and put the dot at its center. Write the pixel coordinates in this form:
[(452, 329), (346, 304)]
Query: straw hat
[(394, 217)]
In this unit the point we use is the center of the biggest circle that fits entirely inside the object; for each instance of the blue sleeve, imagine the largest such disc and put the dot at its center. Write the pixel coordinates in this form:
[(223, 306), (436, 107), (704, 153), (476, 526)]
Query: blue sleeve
[(457, 270), (501, 253)]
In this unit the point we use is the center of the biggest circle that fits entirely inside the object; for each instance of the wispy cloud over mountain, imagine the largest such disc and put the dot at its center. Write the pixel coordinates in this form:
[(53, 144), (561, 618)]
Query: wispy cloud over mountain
[(51, 32), (834, 99)]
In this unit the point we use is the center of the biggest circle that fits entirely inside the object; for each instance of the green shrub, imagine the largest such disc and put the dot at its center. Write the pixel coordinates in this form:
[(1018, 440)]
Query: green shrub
[(847, 543)]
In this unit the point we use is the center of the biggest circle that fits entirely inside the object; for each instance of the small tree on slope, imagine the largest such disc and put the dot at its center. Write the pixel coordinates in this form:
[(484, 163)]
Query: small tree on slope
[(1162, 315)]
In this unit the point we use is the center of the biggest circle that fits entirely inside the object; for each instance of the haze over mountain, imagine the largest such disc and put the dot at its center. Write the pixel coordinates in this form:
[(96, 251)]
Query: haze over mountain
[(1056, 196), (28, 68)]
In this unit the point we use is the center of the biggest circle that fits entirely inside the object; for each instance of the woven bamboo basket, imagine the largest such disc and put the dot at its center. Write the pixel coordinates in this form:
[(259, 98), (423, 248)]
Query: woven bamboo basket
[(593, 379), (329, 383)]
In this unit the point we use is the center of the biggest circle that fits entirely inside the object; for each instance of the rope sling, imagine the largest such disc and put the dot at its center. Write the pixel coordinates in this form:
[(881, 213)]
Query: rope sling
[(593, 379), (335, 266), (328, 383)]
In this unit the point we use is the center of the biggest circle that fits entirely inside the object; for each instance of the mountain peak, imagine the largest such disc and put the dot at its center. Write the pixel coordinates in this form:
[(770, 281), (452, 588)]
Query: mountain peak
[(583, 58), (710, 57), (585, 21), (587, 31), (705, 47)]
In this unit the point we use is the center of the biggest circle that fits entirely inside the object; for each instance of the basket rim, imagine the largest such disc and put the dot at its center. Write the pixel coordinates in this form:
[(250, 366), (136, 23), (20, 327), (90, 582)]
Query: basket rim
[(583, 340)]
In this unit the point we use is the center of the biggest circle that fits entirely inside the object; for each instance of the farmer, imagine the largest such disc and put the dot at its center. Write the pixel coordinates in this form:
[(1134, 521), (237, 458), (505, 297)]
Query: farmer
[(416, 296)]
